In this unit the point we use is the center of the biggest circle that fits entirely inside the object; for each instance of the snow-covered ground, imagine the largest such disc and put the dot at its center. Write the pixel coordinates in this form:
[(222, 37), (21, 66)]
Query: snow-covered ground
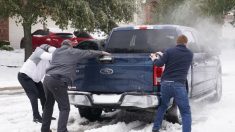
[(10, 63), (16, 114)]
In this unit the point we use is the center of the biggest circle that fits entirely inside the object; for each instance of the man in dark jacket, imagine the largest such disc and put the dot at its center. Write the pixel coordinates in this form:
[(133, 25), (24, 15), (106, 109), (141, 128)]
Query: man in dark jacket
[(61, 73), (177, 61)]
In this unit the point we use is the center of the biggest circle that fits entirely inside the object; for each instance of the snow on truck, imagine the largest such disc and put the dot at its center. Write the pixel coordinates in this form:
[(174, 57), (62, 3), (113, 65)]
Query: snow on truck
[(128, 79)]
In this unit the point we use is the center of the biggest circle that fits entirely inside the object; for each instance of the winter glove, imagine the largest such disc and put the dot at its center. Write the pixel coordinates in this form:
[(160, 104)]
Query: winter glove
[(153, 56), (45, 47), (159, 53), (51, 49)]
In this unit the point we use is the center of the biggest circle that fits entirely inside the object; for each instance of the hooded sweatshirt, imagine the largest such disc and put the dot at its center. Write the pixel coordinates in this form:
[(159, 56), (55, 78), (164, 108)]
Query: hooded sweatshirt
[(65, 59), (36, 65)]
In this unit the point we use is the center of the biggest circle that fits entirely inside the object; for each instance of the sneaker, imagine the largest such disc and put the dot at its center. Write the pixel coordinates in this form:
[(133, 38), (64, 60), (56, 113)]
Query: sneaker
[(37, 120)]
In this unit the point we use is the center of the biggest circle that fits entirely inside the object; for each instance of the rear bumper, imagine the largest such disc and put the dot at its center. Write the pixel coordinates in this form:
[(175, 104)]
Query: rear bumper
[(136, 100)]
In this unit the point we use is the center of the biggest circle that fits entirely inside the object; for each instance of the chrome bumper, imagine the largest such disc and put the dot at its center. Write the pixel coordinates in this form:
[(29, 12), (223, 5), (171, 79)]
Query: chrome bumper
[(137, 100)]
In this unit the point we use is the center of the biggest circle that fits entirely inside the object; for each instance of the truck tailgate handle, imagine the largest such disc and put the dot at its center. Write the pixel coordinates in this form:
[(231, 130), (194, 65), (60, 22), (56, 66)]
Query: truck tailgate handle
[(106, 59)]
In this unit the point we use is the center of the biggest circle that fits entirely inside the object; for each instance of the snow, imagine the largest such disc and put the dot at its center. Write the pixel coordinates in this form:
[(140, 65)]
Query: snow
[(16, 114), (220, 116), (10, 63)]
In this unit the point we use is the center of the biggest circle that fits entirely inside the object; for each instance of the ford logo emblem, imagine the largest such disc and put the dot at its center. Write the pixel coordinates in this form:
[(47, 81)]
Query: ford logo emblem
[(106, 71)]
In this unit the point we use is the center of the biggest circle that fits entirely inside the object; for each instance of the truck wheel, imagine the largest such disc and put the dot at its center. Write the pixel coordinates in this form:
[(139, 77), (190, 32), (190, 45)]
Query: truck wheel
[(218, 88), (173, 115), (91, 114)]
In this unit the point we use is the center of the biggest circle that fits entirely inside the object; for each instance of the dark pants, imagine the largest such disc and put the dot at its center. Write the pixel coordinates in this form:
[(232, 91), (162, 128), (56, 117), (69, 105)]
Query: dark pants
[(55, 90), (34, 91), (179, 93)]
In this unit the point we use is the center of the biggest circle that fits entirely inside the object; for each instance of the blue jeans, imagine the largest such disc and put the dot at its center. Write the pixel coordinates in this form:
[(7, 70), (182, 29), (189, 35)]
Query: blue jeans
[(179, 93)]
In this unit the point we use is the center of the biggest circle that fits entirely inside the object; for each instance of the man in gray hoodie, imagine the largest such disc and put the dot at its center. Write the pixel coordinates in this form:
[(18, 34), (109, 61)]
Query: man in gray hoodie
[(58, 76)]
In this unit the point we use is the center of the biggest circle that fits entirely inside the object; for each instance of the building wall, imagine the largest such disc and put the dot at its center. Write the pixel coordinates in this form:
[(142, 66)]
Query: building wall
[(4, 29), (149, 8)]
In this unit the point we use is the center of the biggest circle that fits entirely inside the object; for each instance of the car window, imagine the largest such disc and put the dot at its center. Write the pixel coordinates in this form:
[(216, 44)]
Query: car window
[(64, 35), (141, 41), (88, 45), (40, 32), (192, 45)]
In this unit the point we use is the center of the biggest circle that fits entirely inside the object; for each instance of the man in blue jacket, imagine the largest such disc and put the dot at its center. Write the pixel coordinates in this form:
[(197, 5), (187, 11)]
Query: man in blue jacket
[(177, 61)]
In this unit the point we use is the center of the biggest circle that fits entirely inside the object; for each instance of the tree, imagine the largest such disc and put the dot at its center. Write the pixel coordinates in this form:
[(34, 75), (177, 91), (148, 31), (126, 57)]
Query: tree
[(188, 11), (217, 8), (81, 14), (164, 9)]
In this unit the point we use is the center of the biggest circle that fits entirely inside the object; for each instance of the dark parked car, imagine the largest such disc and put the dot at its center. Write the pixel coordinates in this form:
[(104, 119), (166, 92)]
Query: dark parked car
[(129, 80), (82, 35), (94, 44)]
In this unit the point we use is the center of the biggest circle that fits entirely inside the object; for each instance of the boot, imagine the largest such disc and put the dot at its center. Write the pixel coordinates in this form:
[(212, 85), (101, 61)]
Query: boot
[(37, 119)]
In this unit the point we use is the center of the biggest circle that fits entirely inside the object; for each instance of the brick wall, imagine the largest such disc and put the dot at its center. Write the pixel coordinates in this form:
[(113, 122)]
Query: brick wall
[(4, 29), (149, 11)]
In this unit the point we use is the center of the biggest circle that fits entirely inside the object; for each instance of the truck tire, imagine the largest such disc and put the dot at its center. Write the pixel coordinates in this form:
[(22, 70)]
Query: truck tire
[(89, 113), (173, 115), (218, 88)]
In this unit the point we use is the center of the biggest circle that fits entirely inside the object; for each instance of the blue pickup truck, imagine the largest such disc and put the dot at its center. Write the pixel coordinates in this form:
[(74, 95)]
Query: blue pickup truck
[(128, 79)]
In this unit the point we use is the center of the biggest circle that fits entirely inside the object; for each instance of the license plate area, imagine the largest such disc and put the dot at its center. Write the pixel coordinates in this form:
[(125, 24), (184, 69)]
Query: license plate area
[(106, 99)]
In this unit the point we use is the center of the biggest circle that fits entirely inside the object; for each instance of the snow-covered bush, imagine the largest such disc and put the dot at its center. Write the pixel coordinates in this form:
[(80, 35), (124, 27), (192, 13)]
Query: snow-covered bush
[(5, 45)]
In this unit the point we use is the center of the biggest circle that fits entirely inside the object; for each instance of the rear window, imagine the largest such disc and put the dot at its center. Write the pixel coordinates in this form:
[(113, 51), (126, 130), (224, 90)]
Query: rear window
[(64, 35), (141, 41), (41, 32)]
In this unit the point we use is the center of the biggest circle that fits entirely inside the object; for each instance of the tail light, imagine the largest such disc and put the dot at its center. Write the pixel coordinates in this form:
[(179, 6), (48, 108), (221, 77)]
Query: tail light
[(48, 39), (143, 27), (157, 73)]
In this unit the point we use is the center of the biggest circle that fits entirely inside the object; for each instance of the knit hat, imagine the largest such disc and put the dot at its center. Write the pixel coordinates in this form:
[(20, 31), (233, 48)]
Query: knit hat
[(67, 42), (182, 39)]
